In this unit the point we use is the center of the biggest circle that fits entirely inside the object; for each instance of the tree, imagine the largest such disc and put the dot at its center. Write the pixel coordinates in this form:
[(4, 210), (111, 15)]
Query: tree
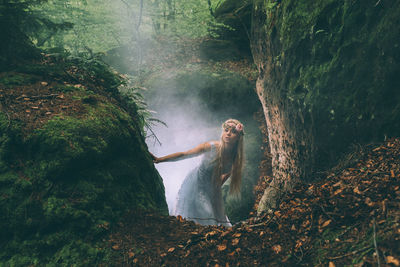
[(326, 80)]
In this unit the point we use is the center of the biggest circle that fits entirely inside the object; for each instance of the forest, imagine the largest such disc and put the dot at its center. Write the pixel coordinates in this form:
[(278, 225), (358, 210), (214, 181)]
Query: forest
[(93, 93)]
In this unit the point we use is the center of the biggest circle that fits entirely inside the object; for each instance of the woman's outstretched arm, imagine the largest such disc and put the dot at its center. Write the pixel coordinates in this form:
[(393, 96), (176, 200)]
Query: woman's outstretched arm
[(183, 155)]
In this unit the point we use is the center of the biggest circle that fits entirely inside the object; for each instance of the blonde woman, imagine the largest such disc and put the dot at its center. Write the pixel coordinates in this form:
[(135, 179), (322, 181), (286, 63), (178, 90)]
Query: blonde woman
[(200, 197)]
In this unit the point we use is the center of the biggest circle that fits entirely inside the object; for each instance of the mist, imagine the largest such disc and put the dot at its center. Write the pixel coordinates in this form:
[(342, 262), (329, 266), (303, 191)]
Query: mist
[(188, 125)]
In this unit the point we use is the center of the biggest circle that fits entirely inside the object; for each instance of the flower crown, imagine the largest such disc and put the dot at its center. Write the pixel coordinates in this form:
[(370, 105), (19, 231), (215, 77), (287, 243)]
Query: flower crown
[(238, 127)]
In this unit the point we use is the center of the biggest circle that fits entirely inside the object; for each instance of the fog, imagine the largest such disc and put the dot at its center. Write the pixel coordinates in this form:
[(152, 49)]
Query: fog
[(188, 124)]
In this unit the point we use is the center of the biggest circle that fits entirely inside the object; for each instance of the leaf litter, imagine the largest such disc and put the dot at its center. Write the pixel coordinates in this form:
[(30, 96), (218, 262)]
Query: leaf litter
[(349, 218)]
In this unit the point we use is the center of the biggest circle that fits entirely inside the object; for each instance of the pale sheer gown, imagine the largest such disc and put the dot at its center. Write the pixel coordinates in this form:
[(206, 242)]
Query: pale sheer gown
[(199, 199)]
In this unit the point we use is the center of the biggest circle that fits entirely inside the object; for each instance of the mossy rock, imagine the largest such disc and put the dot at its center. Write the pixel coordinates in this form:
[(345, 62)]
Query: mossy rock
[(338, 62), (65, 184)]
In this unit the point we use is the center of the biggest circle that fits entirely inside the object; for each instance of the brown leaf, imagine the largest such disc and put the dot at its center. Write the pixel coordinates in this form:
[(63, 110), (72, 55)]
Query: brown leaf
[(326, 223), (235, 241), (115, 247), (237, 235), (337, 184), (277, 213), (171, 250), (277, 248), (221, 247), (392, 260), (369, 202), (331, 264), (225, 233), (338, 191), (356, 190), (131, 254), (392, 174)]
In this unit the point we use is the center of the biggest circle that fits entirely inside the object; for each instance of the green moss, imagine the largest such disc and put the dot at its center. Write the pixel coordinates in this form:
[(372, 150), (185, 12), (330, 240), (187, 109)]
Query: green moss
[(15, 79), (73, 175), (338, 61)]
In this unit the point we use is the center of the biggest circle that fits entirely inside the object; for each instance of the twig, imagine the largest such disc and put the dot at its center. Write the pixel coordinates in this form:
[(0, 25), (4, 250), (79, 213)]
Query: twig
[(376, 246), (262, 223), (327, 213), (377, 3), (348, 254)]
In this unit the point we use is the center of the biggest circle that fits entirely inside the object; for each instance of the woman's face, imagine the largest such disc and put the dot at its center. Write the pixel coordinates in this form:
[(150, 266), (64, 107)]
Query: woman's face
[(229, 134)]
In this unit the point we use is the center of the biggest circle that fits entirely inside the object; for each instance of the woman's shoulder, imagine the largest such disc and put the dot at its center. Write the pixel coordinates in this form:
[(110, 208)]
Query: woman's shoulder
[(214, 144)]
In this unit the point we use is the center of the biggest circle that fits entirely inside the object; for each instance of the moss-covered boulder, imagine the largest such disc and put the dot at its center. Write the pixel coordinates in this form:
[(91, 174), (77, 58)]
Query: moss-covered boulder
[(334, 63), (67, 178)]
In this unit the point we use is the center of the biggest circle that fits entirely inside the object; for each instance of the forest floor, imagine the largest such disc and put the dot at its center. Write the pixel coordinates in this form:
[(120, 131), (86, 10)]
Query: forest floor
[(349, 217)]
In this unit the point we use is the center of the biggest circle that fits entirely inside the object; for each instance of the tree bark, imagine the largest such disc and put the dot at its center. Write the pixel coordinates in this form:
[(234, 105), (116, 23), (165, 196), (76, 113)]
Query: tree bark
[(289, 125)]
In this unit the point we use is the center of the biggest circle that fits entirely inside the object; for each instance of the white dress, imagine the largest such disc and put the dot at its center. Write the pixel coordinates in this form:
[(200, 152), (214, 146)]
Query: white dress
[(199, 200)]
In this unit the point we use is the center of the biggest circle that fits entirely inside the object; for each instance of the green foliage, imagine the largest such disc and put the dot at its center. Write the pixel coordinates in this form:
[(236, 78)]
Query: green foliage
[(19, 23), (187, 19)]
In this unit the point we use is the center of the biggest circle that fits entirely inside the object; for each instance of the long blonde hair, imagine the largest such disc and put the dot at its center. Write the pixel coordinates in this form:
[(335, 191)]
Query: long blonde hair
[(238, 161)]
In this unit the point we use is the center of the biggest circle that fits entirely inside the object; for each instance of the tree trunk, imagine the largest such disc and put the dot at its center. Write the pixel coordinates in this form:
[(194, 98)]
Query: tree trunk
[(289, 125)]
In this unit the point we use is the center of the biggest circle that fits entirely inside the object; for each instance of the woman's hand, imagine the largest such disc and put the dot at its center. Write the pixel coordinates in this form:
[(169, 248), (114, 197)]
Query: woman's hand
[(155, 159), (225, 177)]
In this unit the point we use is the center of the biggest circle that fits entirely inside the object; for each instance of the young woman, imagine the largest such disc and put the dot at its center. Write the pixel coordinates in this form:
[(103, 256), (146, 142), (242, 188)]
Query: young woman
[(200, 197)]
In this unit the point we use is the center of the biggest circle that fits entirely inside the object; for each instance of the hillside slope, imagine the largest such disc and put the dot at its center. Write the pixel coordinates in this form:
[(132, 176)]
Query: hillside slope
[(349, 218)]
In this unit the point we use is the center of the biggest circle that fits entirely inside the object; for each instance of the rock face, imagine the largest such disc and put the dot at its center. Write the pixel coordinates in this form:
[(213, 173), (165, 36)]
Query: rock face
[(326, 79), (66, 182)]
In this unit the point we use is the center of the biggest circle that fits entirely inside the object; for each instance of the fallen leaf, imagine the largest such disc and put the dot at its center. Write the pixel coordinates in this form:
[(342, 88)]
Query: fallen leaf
[(235, 241), (337, 184), (131, 254), (331, 264), (392, 173), (369, 202), (237, 235), (393, 260), (171, 250), (326, 223), (115, 247), (44, 83), (356, 190), (221, 247), (277, 248), (338, 191)]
